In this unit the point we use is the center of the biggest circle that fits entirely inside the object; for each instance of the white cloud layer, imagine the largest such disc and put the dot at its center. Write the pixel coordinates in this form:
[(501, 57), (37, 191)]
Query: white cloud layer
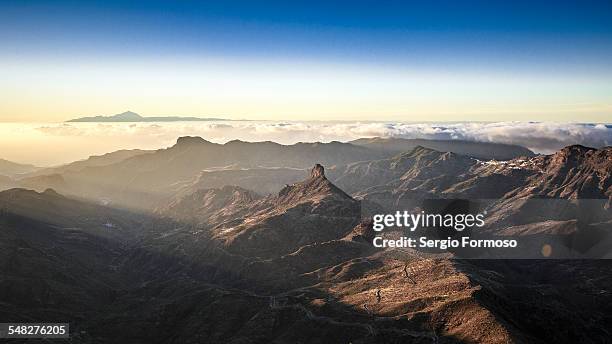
[(541, 137), (63, 142)]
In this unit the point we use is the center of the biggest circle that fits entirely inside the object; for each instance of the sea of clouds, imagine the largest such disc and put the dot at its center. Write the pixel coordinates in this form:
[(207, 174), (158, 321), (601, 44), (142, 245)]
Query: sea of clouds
[(47, 144), (541, 137)]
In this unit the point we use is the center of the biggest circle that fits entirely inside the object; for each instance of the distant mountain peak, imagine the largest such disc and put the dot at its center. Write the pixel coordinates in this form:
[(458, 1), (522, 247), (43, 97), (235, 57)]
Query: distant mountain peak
[(574, 150), (190, 140), (130, 116), (51, 192), (573, 172), (417, 152), (127, 116), (570, 156)]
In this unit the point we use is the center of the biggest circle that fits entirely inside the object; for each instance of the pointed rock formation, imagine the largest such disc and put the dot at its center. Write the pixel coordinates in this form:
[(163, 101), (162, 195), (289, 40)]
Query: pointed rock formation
[(310, 211), (317, 171)]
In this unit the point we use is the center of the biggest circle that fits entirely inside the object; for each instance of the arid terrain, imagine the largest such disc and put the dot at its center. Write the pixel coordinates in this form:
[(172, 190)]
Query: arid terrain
[(267, 243)]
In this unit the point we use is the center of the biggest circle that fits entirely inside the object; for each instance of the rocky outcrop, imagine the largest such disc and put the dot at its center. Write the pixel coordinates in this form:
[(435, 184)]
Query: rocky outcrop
[(310, 211)]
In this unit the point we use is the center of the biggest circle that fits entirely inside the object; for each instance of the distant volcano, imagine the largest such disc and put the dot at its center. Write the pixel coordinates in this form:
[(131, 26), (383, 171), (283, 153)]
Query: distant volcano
[(130, 116)]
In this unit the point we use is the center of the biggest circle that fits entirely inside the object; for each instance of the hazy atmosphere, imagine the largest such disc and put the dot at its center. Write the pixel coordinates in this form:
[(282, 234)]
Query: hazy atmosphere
[(57, 143)]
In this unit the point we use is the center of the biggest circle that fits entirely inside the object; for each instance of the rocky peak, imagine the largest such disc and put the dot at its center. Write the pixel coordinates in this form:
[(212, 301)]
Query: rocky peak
[(190, 140), (575, 149), (571, 154), (317, 171), (311, 211), (316, 187), (423, 150), (574, 172), (571, 158), (51, 192)]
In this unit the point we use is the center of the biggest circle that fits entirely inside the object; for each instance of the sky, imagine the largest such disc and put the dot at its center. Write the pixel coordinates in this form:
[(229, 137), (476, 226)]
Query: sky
[(308, 60)]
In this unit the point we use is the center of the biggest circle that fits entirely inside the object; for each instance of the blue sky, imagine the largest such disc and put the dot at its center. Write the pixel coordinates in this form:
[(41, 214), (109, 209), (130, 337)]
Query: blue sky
[(505, 47)]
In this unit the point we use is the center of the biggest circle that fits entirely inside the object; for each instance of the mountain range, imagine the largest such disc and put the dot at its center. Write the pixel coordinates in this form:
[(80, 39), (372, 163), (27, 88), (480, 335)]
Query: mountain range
[(480, 150), (140, 179), (261, 243)]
